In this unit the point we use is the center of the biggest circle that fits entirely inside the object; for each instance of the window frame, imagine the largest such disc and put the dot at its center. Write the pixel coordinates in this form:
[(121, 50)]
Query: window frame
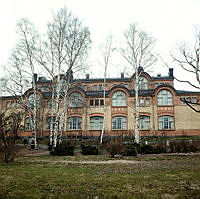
[(76, 101), (119, 98), (74, 123), (144, 122), (119, 123), (166, 122), (164, 98), (96, 123)]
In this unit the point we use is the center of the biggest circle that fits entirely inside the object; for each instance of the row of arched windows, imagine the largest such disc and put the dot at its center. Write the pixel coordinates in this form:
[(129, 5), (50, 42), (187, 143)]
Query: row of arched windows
[(96, 123), (118, 99)]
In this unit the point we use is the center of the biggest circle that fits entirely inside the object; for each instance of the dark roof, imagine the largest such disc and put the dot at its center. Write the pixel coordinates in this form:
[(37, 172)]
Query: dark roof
[(182, 92), (102, 80), (163, 78)]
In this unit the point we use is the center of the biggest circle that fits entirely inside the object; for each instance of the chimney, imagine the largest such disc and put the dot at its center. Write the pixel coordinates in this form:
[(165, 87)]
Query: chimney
[(140, 69), (87, 76), (122, 75), (35, 77), (158, 75), (171, 72)]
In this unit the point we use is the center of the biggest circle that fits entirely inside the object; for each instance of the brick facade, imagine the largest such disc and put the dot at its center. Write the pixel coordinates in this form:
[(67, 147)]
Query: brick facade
[(162, 113)]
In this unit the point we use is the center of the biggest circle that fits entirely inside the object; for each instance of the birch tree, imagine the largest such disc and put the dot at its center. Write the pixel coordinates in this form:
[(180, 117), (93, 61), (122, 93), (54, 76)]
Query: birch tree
[(62, 55), (23, 68), (106, 52), (138, 52)]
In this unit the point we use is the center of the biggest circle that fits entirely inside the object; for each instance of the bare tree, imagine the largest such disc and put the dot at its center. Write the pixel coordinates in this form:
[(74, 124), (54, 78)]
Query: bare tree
[(106, 52), (63, 54), (22, 70), (138, 52), (186, 58)]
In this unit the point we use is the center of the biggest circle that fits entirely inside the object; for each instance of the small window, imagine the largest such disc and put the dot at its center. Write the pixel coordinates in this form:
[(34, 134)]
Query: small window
[(91, 102), (96, 102), (194, 100), (141, 102), (102, 102), (95, 87), (100, 87), (147, 101)]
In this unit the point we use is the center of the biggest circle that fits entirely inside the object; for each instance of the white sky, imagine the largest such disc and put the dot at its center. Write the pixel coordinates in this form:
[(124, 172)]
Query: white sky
[(169, 21)]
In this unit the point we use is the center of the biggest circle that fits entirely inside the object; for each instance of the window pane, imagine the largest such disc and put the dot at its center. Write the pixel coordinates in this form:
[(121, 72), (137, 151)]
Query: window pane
[(165, 98), (166, 123), (119, 123), (76, 100), (119, 99)]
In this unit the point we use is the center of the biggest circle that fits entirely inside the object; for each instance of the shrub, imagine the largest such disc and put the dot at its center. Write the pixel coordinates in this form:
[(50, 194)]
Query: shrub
[(131, 149), (65, 148), (114, 147), (89, 150)]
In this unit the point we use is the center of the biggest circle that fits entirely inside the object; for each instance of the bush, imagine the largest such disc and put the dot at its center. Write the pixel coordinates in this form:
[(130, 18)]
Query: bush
[(65, 148), (89, 150), (114, 147), (131, 149)]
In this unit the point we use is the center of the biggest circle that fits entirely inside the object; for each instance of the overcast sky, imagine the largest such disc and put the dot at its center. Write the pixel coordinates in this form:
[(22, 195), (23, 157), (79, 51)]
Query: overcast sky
[(169, 21)]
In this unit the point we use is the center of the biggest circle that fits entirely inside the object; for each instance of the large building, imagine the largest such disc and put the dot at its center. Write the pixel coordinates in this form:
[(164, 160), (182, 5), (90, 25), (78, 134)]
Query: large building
[(162, 113)]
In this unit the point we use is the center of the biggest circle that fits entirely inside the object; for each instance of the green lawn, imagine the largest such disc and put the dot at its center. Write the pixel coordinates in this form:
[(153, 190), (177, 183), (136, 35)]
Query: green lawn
[(150, 177)]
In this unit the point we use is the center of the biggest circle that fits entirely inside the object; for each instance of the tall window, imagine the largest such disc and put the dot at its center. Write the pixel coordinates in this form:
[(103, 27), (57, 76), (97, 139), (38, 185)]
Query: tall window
[(74, 123), (32, 100), (165, 98), (166, 123), (96, 123), (52, 123), (76, 100), (144, 122), (119, 123), (28, 124), (119, 99), (142, 83)]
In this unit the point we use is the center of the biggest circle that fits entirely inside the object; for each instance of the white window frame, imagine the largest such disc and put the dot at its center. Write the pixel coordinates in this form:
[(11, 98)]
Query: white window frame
[(119, 123), (119, 99), (166, 122), (143, 83), (74, 123), (96, 123), (75, 100), (165, 98), (144, 122)]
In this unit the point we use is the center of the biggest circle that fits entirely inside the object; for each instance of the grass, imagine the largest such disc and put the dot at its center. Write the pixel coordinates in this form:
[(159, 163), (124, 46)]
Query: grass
[(150, 177)]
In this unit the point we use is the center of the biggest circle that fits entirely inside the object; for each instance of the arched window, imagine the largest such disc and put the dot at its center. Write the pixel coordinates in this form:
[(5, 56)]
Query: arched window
[(52, 123), (76, 100), (119, 123), (29, 124), (33, 100), (165, 98), (142, 83), (96, 123), (166, 122), (74, 123), (144, 122), (119, 99)]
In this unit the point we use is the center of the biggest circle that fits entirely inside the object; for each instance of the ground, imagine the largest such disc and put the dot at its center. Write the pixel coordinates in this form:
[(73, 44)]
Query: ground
[(39, 175)]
